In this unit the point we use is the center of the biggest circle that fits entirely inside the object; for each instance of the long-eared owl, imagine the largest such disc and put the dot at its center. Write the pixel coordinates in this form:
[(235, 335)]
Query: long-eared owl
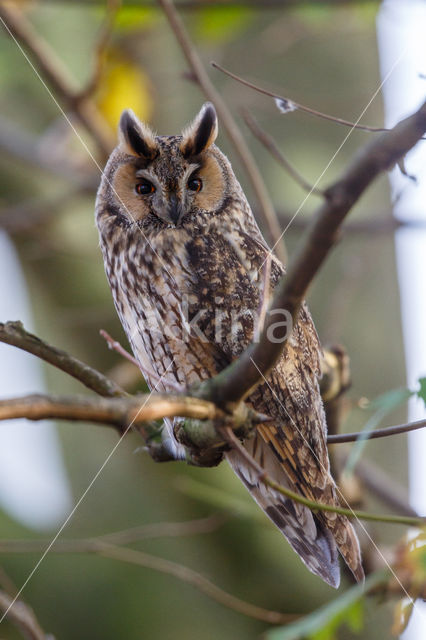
[(185, 261)]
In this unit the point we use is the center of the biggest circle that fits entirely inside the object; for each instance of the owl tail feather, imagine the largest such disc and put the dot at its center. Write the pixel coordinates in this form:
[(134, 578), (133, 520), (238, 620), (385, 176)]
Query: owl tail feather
[(316, 538), (346, 540), (309, 538)]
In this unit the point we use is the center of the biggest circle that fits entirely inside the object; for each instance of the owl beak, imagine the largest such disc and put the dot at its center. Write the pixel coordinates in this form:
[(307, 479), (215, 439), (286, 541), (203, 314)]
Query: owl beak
[(175, 208)]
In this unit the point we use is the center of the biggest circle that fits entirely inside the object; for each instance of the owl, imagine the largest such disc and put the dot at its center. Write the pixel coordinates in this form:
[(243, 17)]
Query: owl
[(185, 260)]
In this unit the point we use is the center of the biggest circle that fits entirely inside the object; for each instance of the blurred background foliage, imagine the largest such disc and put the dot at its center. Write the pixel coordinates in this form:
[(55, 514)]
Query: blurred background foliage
[(321, 55)]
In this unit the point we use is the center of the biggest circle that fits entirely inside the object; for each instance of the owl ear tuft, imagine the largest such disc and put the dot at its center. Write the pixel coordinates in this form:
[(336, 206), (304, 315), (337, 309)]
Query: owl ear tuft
[(136, 137), (201, 133)]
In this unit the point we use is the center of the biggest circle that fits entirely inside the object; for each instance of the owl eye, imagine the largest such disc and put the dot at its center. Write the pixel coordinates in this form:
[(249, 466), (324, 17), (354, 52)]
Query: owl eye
[(195, 184), (144, 188)]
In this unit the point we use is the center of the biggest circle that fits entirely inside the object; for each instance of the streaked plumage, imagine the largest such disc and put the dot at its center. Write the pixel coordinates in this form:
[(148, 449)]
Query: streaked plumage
[(174, 254)]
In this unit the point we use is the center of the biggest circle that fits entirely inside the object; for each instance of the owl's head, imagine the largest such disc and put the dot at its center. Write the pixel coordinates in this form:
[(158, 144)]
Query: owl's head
[(166, 181)]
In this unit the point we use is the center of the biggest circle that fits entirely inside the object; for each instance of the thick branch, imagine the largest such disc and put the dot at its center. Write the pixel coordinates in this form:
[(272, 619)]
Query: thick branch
[(235, 382), (246, 158), (116, 412), (57, 76), (13, 333)]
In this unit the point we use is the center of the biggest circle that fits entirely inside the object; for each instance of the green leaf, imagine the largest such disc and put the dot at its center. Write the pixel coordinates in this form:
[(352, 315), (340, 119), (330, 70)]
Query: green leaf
[(323, 623), (384, 404), (421, 393), (391, 399)]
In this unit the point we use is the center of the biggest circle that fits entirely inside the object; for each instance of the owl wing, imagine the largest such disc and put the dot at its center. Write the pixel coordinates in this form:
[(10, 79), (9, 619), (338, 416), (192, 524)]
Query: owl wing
[(293, 449), (293, 453)]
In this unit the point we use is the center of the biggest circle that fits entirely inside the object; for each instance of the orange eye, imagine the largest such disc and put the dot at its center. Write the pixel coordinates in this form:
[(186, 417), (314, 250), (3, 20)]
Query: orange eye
[(144, 188), (195, 184)]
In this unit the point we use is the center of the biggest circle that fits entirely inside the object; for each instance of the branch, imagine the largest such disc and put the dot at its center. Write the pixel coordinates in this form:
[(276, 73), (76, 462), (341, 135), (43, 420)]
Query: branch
[(51, 68), (150, 374), (104, 37), (25, 216), (115, 412), (377, 433), (236, 381), (25, 147), (372, 222), (13, 333), (197, 580), (270, 145), (124, 537), (122, 413), (246, 158), (23, 617), (289, 105)]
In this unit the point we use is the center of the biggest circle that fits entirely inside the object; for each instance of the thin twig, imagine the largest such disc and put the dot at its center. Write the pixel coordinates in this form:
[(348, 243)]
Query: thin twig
[(296, 105), (57, 75), (103, 548), (372, 223), (197, 580), (236, 382), (25, 216), (313, 505), (194, 61), (24, 146), (104, 37), (124, 537), (148, 373), (270, 145), (116, 346), (23, 617), (377, 433), (14, 333)]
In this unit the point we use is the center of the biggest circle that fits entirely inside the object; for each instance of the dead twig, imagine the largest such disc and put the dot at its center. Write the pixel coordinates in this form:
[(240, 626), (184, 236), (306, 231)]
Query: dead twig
[(270, 145), (23, 617), (377, 433), (288, 105), (14, 333), (124, 537), (148, 373), (56, 74), (104, 37)]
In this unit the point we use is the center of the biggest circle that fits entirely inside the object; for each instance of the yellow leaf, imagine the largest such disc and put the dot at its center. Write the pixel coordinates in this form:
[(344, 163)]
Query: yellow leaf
[(123, 85)]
